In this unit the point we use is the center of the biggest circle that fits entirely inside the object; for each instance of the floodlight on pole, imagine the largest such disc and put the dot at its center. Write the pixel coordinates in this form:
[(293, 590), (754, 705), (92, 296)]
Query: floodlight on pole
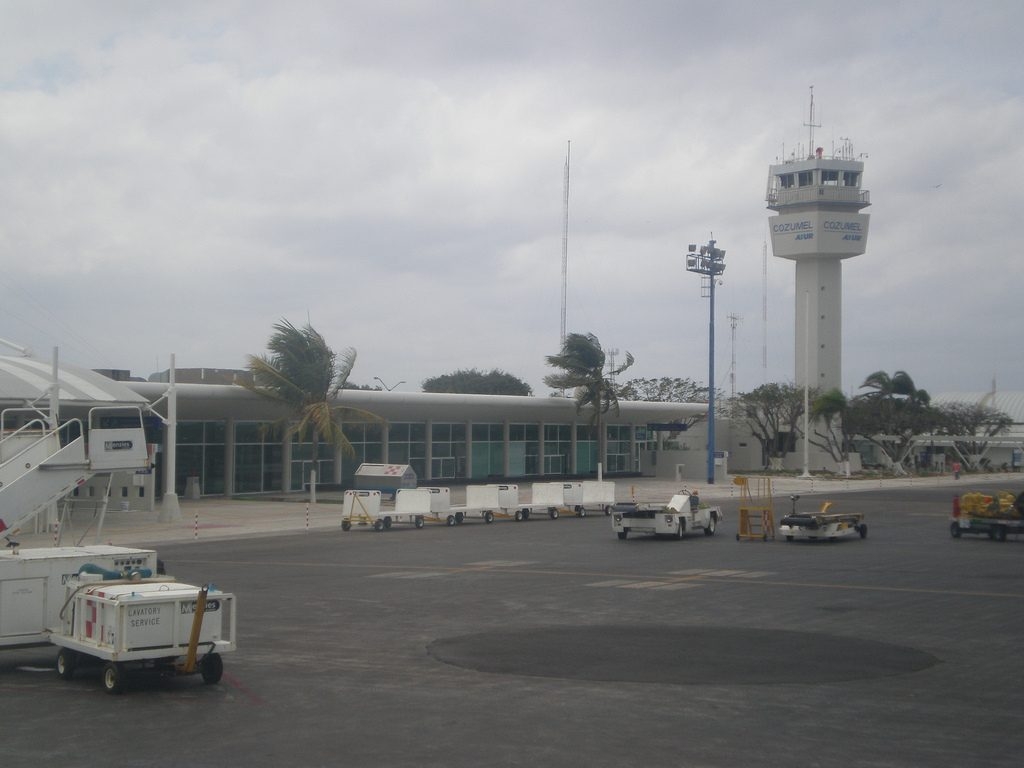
[(709, 262)]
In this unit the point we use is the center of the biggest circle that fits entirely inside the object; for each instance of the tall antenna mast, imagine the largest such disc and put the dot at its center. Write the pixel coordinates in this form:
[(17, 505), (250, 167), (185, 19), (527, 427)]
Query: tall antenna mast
[(811, 126), (734, 320), (764, 312), (565, 237)]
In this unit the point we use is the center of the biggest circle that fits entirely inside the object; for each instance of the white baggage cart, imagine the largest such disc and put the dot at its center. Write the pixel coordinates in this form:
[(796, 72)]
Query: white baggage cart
[(441, 508), (552, 497), (364, 508), (495, 501), (598, 495)]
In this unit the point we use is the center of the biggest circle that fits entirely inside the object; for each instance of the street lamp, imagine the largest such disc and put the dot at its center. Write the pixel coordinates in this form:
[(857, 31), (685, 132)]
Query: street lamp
[(378, 378), (709, 262)]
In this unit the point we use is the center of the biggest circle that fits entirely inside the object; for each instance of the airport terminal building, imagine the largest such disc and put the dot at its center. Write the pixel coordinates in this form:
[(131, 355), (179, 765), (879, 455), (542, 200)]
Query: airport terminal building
[(227, 442), (228, 439)]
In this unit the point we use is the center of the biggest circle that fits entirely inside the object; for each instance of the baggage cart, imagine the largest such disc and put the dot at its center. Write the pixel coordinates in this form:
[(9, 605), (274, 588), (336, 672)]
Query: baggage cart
[(364, 508), (996, 516), (823, 524)]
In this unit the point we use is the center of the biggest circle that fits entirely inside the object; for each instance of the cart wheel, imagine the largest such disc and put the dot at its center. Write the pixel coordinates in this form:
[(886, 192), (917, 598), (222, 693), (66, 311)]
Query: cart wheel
[(623, 534), (346, 525), (519, 515), (211, 668), (459, 518), (581, 512), (67, 660), (553, 513), (526, 514), (387, 523), (378, 525), (113, 677), (712, 524), (488, 516), (419, 521), (954, 530), (863, 530), (607, 509), (450, 520)]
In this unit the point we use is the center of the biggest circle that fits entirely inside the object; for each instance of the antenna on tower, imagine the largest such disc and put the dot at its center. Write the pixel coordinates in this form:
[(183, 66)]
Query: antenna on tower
[(565, 237), (764, 312), (734, 320), (811, 126)]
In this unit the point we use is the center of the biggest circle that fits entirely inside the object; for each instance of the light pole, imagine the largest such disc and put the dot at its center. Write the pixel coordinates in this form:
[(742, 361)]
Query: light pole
[(378, 378), (709, 262)]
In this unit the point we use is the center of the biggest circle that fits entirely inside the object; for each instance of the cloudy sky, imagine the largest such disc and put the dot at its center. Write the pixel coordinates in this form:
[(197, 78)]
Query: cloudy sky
[(177, 177)]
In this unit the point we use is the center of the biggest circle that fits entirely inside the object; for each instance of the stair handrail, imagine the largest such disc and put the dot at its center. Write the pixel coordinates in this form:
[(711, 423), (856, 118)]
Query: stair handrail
[(47, 433), (39, 416), (135, 411)]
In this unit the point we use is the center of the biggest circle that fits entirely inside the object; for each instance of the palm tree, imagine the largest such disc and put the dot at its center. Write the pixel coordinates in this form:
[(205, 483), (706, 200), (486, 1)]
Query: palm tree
[(892, 413), (582, 361), (302, 373), (899, 385)]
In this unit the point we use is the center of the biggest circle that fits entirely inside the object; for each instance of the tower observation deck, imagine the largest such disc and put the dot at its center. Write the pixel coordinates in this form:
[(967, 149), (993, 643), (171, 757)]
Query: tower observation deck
[(818, 223)]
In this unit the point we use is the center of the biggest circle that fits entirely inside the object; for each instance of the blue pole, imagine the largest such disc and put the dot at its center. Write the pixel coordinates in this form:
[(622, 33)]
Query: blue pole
[(711, 385)]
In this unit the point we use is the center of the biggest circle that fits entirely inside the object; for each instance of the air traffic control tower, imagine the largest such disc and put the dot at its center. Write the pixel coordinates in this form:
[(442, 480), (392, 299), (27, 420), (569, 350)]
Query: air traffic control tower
[(818, 224)]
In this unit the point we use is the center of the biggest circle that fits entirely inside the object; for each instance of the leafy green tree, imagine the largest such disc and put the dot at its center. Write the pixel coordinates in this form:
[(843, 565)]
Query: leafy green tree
[(665, 390), (302, 373), (773, 413), (973, 425), (582, 370), (830, 426), (473, 382)]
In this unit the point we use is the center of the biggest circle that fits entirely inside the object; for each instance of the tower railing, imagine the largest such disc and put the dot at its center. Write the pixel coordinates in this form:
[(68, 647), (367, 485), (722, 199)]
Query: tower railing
[(818, 194)]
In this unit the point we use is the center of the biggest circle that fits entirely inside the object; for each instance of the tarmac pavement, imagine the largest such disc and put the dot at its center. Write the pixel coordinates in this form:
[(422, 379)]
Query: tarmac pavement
[(553, 643), (218, 518)]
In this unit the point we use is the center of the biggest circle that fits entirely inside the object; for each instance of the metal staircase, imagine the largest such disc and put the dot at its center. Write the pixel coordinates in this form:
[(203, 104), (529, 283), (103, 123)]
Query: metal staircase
[(41, 464)]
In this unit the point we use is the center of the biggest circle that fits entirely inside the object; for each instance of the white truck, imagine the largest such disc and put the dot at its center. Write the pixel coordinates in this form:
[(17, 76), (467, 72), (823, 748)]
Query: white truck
[(33, 583), (684, 513)]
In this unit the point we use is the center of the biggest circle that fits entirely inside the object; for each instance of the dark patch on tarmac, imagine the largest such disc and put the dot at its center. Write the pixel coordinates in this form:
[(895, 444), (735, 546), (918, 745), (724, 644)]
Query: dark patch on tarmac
[(679, 655)]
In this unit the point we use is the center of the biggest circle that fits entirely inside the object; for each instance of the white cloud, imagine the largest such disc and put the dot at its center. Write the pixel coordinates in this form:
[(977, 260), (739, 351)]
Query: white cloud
[(179, 178)]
